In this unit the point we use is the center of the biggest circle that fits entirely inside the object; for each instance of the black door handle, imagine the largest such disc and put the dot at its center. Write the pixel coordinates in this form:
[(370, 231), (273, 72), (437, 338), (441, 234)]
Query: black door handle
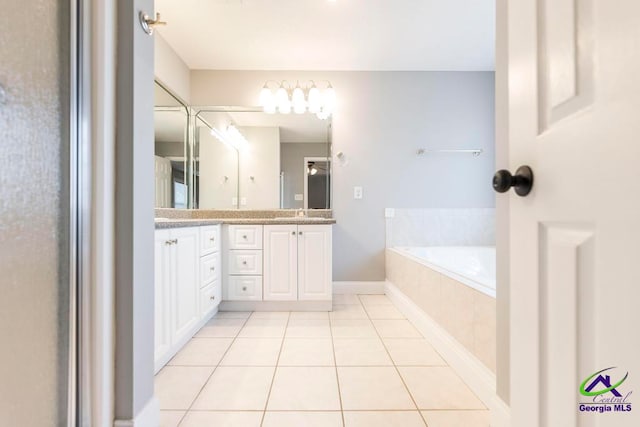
[(522, 181)]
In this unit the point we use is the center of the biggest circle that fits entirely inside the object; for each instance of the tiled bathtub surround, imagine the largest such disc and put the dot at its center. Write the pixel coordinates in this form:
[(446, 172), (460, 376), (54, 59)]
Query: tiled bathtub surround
[(441, 227), (468, 315), (237, 213)]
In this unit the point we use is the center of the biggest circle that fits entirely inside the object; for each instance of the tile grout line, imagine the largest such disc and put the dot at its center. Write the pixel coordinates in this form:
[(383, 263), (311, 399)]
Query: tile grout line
[(214, 369), (275, 370), (335, 365), (396, 367)]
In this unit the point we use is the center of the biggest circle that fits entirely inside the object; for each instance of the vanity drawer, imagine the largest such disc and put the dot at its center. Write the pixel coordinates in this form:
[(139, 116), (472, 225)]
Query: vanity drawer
[(210, 297), (209, 239), (245, 262), (245, 236), (245, 288), (209, 268)]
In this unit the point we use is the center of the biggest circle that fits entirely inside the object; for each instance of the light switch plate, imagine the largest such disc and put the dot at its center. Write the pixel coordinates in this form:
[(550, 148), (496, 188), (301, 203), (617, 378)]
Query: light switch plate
[(298, 197), (243, 201), (357, 192), (234, 201)]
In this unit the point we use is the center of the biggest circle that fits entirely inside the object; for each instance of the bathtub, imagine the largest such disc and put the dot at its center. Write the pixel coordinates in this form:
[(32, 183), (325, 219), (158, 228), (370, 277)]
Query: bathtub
[(455, 287), (475, 266)]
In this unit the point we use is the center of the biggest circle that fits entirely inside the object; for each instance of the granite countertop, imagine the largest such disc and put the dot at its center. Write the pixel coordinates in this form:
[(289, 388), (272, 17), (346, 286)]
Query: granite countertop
[(176, 223)]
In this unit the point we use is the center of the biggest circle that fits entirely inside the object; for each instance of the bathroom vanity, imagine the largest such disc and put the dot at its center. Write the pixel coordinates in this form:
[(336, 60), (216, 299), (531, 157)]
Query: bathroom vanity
[(236, 264)]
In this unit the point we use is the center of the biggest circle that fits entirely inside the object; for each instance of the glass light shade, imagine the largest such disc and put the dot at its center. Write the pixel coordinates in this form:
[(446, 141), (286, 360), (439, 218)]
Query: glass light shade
[(315, 100), (281, 95), (297, 98), (329, 99), (266, 97), (285, 107), (270, 108)]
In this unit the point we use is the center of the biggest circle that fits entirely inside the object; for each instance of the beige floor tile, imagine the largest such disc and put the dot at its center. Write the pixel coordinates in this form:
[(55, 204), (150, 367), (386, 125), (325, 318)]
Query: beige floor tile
[(236, 389), (384, 419), (309, 315), (346, 299), (439, 388), (307, 352), (353, 328), (253, 352), (304, 389), (177, 386), (263, 328), (308, 328), (384, 312), (202, 352), (360, 352), (171, 418), (373, 388), (375, 300), (232, 315), (270, 315), (457, 418), (302, 419), (413, 352), (396, 329), (220, 328), (348, 311), (222, 419)]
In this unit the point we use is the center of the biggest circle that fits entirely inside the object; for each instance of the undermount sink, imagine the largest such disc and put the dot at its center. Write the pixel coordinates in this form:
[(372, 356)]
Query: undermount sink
[(300, 218)]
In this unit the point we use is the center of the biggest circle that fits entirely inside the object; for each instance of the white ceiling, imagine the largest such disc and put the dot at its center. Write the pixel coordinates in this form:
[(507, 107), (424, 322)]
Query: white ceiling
[(324, 35)]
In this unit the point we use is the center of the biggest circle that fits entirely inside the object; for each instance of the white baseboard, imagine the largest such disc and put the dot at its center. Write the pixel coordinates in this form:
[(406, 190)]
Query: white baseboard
[(474, 373), (363, 288), (148, 417)]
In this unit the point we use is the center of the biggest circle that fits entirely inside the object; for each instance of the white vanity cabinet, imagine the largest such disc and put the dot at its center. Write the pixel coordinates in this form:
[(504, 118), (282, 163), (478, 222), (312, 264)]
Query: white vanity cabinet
[(297, 262), (187, 285)]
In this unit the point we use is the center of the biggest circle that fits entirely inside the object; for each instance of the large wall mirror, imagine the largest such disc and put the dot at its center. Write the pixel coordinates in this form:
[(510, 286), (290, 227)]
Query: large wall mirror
[(248, 159), (239, 158), (171, 130)]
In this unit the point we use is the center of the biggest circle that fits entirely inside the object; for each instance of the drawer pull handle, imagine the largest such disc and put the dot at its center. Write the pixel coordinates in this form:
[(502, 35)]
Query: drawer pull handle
[(213, 239), (212, 297), (244, 237), (244, 288), (212, 269), (244, 262)]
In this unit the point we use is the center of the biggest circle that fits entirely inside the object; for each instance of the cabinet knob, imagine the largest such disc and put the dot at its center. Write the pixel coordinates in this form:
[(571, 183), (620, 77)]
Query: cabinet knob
[(293, 233), (244, 288), (300, 233), (213, 239), (244, 262), (244, 237), (167, 242), (213, 269), (212, 297)]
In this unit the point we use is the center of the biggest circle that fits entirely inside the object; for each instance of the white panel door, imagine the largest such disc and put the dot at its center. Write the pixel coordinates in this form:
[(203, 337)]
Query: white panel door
[(314, 262), (163, 299), (163, 182), (186, 285), (574, 117), (280, 263)]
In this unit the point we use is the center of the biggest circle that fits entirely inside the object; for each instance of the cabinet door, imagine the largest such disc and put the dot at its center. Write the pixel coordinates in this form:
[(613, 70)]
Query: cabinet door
[(162, 295), (280, 263), (314, 262), (186, 286)]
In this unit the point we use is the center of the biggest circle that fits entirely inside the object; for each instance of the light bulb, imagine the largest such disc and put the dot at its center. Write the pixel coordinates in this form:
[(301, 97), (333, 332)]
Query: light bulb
[(329, 100), (270, 108), (314, 170), (266, 96), (315, 100), (297, 98)]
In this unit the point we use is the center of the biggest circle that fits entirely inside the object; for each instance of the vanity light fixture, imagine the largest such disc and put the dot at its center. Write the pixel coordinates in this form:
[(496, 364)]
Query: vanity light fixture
[(299, 98)]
